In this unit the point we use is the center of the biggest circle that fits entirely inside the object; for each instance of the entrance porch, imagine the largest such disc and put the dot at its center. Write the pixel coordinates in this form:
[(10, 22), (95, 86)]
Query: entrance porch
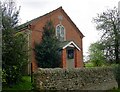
[(70, 55)]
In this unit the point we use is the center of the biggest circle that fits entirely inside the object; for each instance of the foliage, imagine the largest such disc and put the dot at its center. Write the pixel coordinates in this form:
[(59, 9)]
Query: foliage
[(25, 84), (14, 55), (47, 52), (96, 54), (117, 74), (114, 90), (108, 23)]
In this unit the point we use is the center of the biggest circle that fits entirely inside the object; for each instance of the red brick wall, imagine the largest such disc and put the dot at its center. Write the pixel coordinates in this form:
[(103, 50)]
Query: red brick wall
[(78, 58), (64, 58)]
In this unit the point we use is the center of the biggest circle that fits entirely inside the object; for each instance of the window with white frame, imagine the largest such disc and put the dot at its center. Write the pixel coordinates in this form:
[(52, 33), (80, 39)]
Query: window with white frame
[(60, 32)]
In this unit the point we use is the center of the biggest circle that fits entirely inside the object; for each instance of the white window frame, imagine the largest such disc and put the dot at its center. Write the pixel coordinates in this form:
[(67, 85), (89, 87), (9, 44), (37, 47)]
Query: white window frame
[(60, 31)]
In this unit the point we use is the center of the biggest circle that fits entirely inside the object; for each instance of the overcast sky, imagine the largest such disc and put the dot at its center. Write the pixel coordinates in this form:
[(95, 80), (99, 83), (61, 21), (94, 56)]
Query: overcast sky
[(80, 11)]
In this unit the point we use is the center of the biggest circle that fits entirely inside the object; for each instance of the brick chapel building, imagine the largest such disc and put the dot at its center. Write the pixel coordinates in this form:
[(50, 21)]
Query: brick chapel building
[(67, 32)]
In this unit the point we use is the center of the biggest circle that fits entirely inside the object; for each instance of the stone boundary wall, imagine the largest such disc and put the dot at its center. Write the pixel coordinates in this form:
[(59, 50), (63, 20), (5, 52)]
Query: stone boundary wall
[(75, 79)]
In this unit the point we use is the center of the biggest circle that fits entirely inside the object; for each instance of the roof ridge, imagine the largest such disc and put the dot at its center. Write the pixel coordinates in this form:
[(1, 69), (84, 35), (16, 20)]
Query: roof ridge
[(27, 23), (46, 13)]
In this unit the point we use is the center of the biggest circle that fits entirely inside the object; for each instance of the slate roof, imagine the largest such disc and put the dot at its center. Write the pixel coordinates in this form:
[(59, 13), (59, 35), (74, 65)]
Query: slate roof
[(62, 44)]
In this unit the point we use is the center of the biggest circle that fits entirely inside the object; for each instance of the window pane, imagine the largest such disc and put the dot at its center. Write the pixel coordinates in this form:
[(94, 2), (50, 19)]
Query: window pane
[(70, 54), (58, 31), (58, 28), (62, 31)]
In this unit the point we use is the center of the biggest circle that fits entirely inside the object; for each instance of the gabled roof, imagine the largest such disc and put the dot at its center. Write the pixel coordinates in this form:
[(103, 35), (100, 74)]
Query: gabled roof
[(25, 25), (66, 44)]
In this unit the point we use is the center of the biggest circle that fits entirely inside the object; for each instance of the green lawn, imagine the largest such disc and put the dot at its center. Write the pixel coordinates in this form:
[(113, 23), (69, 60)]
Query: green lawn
[(87, 65), (115, 90), (25, 84)]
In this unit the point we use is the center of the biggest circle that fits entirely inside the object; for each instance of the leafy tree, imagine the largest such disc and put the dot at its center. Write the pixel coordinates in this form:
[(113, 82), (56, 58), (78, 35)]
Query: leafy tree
[(14, 55), (109, 24), (47, 52), (96, 54)]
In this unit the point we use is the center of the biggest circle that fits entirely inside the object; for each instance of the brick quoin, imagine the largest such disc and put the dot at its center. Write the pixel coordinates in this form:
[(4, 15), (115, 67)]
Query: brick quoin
[(76, 61), (34, 63), (64, 58)]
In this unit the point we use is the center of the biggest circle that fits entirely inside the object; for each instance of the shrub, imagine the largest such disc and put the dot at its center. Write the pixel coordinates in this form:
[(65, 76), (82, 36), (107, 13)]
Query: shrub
[(117, 74)]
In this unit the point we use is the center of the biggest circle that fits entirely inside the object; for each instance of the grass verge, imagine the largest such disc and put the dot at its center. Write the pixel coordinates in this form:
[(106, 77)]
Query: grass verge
[(25, 84), (87, 65)]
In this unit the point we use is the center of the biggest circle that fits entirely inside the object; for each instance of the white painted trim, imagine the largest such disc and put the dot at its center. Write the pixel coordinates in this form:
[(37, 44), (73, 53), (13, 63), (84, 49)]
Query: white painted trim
[(64, 34), (69, 44), (60, 31), (56, 30)]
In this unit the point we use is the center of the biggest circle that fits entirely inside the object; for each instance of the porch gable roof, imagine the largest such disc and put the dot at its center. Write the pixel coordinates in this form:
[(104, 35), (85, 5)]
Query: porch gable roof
[(66, 44)]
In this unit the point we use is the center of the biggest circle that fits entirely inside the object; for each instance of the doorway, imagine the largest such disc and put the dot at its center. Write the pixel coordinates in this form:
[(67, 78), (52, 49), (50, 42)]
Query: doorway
[(70, 58)]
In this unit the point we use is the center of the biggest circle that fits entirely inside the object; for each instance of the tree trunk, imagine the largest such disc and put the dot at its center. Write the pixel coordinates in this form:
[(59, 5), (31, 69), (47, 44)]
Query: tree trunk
[(116, 45), (117, 48)]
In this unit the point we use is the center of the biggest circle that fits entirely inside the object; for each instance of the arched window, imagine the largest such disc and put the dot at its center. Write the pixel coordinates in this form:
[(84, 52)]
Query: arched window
[(60, 32)]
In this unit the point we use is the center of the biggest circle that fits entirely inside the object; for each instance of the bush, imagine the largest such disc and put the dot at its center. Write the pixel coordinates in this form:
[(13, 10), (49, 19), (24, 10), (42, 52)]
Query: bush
[(117, 74), (11, 75)]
